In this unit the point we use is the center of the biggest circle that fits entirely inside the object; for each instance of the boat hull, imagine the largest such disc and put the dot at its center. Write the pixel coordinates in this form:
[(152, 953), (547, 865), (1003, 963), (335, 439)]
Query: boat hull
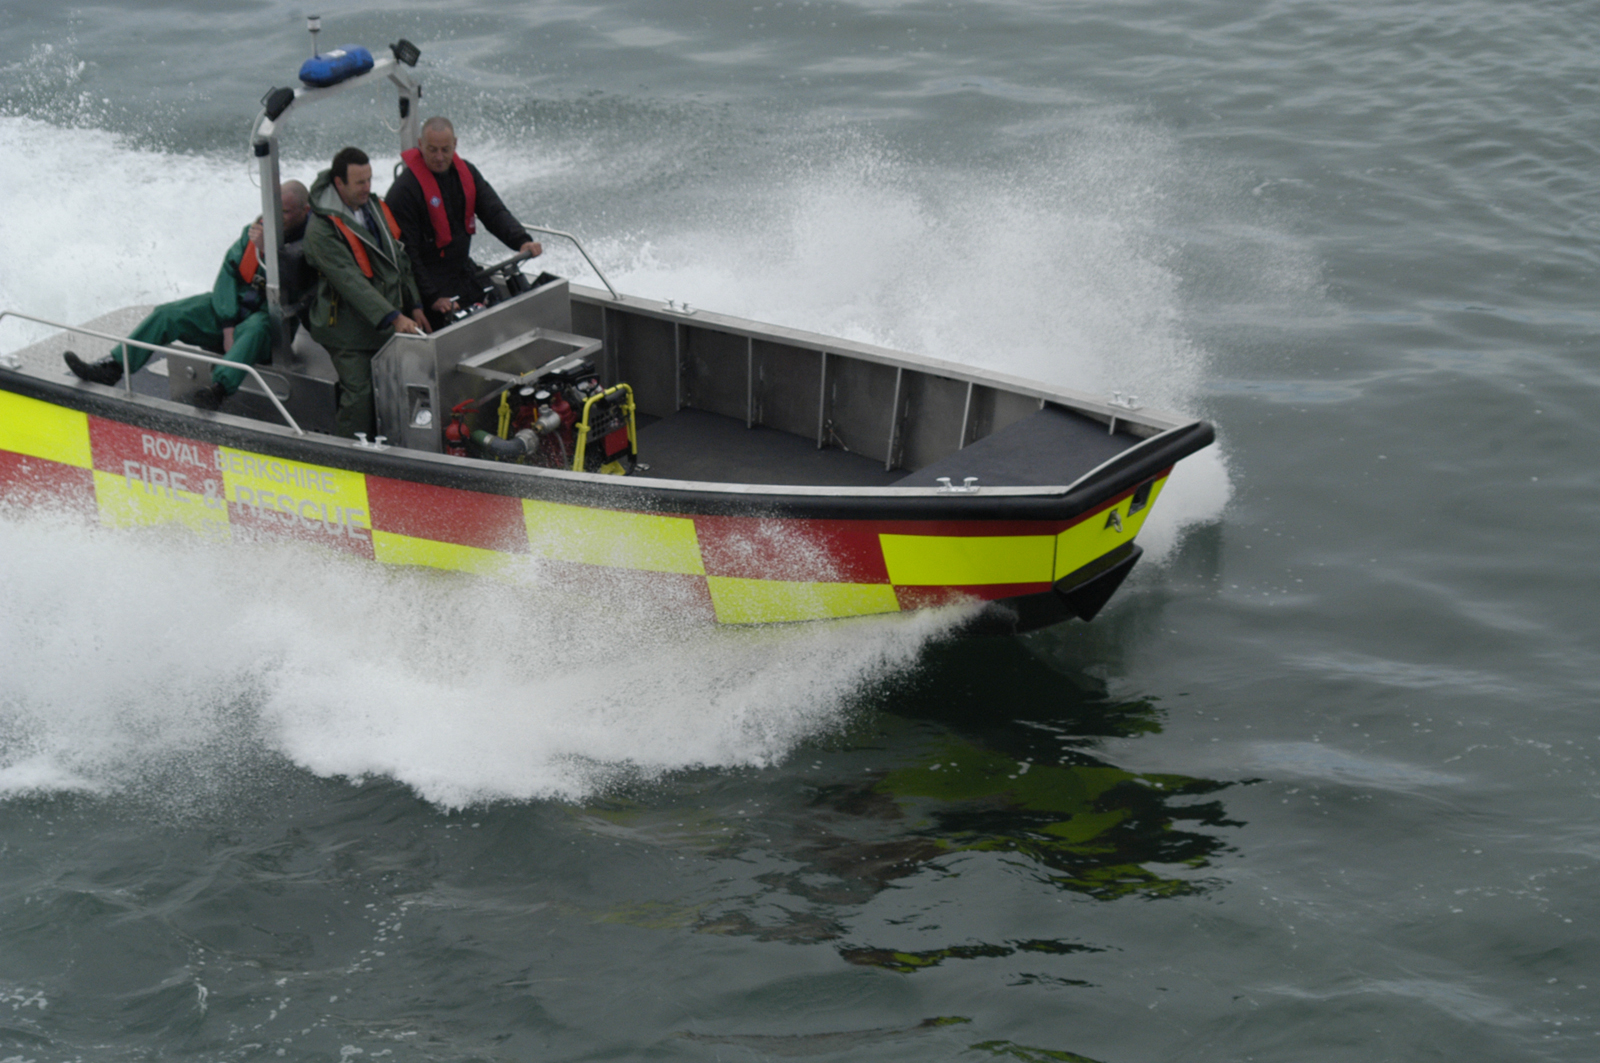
[(714, 551)]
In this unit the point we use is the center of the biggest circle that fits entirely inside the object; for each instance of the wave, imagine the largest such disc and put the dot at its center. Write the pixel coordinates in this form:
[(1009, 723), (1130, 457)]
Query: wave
[(156, 662)]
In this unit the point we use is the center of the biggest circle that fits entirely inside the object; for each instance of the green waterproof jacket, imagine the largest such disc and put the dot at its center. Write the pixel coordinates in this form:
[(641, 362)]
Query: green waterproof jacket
[(233, 299), (351, 311), (226, 293)]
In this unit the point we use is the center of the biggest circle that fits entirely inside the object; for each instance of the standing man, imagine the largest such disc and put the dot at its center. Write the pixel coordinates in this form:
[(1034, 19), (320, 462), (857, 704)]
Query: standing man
[(366, 292), (436, 201), (231, 320)]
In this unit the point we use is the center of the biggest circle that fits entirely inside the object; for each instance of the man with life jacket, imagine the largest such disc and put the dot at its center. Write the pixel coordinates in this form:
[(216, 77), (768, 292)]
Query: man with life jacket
[(437, 200), (366, 292), (231, 320)]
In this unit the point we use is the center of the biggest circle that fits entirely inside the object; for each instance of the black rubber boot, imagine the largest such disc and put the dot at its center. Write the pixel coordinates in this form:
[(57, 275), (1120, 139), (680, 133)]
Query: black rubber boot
[(209, 397), (106, 371)]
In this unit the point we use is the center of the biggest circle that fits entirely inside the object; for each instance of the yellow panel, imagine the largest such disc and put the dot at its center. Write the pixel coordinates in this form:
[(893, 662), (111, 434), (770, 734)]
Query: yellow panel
[(44, 430), (1092, 538), (964, 560), (130, 502), (394, 549), (764, 601), (612, 539), (310, 497)]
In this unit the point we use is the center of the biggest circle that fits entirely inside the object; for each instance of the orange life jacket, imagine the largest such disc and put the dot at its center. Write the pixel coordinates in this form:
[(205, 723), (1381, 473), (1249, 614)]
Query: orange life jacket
[(357, 248), (250, 263)]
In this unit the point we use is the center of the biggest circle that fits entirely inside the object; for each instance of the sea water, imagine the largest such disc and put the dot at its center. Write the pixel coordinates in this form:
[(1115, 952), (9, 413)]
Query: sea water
[(1317, 785)]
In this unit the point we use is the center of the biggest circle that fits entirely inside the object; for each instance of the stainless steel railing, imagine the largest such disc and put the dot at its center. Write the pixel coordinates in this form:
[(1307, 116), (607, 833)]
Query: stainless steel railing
[(127, 377), (581, 250)]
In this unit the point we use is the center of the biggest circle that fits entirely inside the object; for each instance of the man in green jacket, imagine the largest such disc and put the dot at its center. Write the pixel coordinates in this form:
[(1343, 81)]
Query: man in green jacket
[(366, 292), (231, 320)]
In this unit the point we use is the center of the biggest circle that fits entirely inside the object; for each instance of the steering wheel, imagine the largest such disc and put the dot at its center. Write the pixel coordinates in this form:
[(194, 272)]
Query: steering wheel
[(506, 270)]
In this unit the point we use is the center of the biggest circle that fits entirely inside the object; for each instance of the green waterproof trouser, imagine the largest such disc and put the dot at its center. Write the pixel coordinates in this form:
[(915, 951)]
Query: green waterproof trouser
[(192, 321), (356, 412)]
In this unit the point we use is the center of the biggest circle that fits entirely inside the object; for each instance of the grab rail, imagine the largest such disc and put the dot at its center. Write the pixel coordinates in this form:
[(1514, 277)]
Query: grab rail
[(581, 250), (127, 377)]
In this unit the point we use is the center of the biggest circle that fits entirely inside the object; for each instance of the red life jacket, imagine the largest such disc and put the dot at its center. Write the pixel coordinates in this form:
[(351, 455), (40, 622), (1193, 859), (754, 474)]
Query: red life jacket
[(430, 192), (357, 248)]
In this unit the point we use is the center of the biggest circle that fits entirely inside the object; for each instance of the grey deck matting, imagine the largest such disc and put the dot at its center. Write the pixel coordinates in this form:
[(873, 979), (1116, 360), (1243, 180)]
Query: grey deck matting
[(1048, 448), (1045, 449), (710, 448)]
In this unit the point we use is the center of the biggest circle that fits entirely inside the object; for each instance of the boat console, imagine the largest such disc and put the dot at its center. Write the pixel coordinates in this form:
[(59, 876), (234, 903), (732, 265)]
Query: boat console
[(419, 379)]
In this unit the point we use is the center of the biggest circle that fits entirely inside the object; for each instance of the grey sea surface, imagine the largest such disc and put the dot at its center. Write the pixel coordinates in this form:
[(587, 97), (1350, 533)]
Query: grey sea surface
[(1319, 785)]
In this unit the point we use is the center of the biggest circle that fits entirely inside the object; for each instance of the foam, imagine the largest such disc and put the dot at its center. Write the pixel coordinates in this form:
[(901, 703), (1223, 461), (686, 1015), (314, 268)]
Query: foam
[(93, 222), (90, 225), (161, 663), (1311, 760)]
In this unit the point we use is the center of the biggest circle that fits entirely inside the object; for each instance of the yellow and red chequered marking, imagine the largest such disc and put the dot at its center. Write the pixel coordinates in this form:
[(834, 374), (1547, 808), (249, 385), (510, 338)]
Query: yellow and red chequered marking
[(939, 562), (762, 601), (611, 555), (611, 550), (612, 538), (144, 478), (792, 550), (44, 454), (447, 515), (745, 569), (617, 590), (276, 498), (445, 527), (772, 570)]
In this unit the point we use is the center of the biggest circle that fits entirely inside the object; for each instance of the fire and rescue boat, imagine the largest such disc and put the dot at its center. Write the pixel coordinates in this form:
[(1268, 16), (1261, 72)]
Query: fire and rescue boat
[(748, 472)]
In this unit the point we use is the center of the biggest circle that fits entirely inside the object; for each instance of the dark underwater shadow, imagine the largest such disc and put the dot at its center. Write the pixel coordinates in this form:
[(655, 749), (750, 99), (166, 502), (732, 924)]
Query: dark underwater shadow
[(985, 760)]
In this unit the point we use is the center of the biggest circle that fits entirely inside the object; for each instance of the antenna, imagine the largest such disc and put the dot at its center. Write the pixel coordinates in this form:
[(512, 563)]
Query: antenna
[(314, 24)]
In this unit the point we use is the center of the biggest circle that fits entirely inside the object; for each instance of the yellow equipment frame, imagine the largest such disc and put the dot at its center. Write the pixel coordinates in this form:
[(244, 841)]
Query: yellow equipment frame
[(580, 445)]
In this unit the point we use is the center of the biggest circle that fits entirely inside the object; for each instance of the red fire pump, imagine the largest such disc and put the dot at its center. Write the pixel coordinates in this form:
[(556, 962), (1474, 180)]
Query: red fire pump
[(562, 420)]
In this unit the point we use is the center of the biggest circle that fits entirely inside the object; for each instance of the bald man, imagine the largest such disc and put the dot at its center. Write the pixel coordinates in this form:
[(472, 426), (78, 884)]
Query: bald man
[(437, 200), (231, 320)]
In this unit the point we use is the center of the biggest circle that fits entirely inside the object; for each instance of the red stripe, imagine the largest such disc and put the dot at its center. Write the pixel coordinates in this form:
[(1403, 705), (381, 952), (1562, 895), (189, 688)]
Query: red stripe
[(40, 483), (810, 551), (931, 597), (448, 515), (124, 450)]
